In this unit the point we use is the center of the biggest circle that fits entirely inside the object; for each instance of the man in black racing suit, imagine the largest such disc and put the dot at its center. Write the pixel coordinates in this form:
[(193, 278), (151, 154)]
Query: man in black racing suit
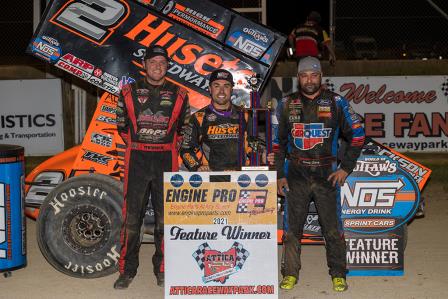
[(214, 129), (310, 123), (150, 115)]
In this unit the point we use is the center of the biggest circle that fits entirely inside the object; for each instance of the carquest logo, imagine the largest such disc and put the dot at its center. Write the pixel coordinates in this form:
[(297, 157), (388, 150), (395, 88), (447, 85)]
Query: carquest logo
[(195, 180), (177, 180), (261, 180), (307, 136), (244, 180)]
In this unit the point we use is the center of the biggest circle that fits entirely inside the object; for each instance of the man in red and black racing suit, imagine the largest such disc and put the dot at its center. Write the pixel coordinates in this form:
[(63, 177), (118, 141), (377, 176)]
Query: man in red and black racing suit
[(214, 130), (150, 115), (311, 121)]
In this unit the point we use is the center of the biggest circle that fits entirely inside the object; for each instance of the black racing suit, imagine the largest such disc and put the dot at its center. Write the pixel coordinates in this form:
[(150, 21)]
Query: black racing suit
[(308, 137), (149, 119), (217, 135)]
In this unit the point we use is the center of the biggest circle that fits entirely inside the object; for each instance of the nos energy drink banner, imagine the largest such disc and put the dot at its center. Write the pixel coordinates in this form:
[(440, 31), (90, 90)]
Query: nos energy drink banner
[(221, 235), (103, 42), (377, 201)]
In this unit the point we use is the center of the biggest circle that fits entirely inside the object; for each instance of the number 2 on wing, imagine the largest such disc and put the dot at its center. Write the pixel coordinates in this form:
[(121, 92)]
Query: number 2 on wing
[(94, 20)]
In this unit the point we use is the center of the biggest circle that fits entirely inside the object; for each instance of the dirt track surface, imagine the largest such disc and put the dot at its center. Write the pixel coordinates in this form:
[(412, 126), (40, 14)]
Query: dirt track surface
[(426, 264)]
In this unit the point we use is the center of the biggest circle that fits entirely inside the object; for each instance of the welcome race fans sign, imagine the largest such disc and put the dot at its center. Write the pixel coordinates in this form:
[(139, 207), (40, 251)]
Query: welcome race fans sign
[(404, 113), (221, 235)]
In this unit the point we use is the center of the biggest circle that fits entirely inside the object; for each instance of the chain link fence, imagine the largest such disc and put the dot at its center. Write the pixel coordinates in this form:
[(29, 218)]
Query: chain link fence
[(396, 29), (16, 27)]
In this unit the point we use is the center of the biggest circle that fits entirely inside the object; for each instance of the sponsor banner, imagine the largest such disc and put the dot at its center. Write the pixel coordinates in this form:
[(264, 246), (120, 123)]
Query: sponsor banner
[(31, 115), (375, 255), (196, 198), (221, 227), (404, 113), (377, 200), (378, 196), (104, 41)]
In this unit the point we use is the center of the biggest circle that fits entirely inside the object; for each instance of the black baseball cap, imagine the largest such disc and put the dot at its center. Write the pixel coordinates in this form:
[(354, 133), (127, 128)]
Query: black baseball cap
[(153, 51), (221, 74)]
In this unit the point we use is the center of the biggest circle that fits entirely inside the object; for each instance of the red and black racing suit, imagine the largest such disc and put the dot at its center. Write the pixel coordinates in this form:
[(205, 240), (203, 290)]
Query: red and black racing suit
[(149, 119), (308, 137), (217, 134)]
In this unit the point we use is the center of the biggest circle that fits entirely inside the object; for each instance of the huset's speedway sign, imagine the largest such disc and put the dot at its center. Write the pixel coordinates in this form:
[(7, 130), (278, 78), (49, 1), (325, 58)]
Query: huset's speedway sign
[(404, 113), (103, 42)]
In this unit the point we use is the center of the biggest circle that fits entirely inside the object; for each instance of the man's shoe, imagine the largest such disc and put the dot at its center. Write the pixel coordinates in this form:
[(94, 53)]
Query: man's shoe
[(160, 279), (288, 282), (122, 282), (339, 284)]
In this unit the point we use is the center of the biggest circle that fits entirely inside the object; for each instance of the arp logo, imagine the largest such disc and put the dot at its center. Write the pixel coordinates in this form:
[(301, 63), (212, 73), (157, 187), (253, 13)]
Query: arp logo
[(307, 136)]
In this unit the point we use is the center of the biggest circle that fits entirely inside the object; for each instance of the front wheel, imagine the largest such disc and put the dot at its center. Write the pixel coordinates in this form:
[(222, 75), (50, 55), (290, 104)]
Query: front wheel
[(78, 229)]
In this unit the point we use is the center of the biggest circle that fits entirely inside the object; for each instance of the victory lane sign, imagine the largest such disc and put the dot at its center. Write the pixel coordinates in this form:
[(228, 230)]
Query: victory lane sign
[(220, 234)]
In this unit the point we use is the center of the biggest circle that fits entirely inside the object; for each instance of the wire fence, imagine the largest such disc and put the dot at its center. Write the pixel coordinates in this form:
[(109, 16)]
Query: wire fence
[(396, 29)]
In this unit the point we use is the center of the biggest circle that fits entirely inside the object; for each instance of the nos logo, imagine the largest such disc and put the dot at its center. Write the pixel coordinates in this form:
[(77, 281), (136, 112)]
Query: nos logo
[(307, 136), (365, 197), (246, 45)]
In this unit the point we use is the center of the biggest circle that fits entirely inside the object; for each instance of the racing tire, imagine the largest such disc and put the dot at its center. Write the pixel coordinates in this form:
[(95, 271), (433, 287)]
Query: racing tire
[(79, 223)]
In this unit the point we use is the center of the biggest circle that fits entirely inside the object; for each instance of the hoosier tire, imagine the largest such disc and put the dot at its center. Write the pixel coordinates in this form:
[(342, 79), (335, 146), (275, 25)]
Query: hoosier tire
[(78, 228)]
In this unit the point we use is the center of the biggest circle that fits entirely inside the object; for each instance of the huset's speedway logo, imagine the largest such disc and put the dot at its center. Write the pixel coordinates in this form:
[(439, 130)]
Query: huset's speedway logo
[(217, 265), (307, 136)]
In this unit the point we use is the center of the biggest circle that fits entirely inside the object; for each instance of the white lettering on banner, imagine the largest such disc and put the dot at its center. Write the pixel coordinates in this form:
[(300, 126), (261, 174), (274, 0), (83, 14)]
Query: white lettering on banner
[(58, 201), (370, 194), (113, 256), (249, 47), (375, 168), (2, 220)]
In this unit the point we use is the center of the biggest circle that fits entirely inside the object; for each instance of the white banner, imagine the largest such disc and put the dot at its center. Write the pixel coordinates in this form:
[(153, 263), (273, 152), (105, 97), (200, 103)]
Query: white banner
[(31, 115), (406, 113), (221, 235)]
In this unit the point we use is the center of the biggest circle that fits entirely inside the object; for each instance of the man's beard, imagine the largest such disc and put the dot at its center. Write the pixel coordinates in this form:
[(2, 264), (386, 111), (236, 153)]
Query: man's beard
[(310, 88)]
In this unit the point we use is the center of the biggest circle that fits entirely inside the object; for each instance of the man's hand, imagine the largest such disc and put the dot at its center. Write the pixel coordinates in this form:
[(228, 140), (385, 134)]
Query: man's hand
[(338, 176), (204, 168), (282, 184), (271, 158)]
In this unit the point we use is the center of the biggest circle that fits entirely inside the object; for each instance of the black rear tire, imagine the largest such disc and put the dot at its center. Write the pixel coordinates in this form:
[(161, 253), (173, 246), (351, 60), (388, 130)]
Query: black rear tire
[(78, 228)]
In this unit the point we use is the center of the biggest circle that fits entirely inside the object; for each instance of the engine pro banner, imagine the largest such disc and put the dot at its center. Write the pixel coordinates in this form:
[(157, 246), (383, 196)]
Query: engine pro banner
[(220, 234), (103, 42)]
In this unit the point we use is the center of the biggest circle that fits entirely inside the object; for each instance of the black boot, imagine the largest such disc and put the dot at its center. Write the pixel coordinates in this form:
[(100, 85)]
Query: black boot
[(160, 279), (122, 282)]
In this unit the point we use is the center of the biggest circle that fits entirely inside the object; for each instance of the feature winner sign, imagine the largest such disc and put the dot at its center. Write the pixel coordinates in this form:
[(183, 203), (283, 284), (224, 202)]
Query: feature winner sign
[(377, 200), (221, 234)]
